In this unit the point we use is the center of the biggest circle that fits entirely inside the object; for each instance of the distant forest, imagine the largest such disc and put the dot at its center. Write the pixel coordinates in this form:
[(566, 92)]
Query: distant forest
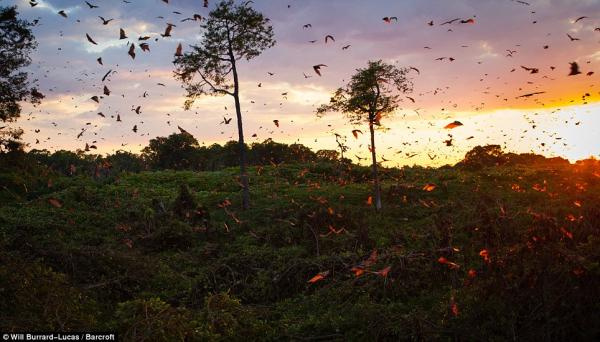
[(181, 151)]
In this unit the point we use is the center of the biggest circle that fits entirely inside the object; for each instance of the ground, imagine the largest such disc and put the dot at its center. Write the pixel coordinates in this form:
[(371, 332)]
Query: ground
[(497, 253)]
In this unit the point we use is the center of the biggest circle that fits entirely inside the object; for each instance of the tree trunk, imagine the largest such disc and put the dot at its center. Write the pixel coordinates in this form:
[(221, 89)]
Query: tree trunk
[(238, 111), (376, 189), (242, 145)]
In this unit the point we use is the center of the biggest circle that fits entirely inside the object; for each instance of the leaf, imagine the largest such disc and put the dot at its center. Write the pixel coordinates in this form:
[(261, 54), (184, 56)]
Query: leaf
[(334, 231), (566, 233), (224, 204), (453, 307), (384, 272), (485, 255), (318, 277), (358, 271), (425, 204), (123, 227), (371, 260), (429, 187), (55, 203), (451, 265)]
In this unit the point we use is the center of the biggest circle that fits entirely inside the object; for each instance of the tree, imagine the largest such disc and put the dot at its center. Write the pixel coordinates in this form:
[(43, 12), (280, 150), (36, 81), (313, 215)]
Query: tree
[(328, 155), (10, 140), (300, 153), (16, 42), (230, 33), (178, 151), (270, 151), (371, 94), (341, 142), (123, 161), (483, 156)]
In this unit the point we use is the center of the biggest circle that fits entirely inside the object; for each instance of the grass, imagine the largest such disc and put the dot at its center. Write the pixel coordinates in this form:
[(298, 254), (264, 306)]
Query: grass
[(509, 252)]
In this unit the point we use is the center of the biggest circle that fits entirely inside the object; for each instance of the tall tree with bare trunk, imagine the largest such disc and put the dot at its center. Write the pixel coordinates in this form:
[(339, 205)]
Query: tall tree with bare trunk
[(231, 33), (372, 94)]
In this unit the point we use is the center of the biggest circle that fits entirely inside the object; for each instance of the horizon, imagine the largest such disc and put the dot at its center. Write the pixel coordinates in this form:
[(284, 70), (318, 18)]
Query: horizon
[(358, 163), (477, 88)]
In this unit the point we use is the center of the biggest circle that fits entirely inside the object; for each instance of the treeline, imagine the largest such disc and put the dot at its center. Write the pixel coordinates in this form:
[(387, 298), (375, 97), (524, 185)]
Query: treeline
[(492, 155), (179, 151), (28, 174)]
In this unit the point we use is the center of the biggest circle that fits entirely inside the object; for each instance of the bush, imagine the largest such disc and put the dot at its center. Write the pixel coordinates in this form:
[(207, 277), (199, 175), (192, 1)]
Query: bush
[(154, 320), (33, 297)]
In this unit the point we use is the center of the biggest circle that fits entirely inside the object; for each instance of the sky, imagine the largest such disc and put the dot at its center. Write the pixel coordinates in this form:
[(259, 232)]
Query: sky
[(481, 87)]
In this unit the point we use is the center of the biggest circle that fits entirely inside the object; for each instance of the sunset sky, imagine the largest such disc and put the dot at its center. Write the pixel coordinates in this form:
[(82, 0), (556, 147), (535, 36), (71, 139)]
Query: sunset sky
[(479, 88)]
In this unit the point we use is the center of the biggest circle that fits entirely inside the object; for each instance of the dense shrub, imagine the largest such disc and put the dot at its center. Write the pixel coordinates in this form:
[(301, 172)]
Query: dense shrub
[(508, 252), (34, 297)]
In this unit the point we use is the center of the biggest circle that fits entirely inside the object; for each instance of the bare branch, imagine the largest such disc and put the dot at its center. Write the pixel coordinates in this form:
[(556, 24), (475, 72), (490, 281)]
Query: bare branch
[(215, 89)]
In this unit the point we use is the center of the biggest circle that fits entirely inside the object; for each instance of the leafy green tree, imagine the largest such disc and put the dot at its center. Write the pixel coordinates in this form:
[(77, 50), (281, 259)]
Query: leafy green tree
[(10, 139), (230, 33), (125, 161), (214, 160), (328, 155), (300, 153), (177, 151), (482, 156), (16, 42), (270, 151), (371, 94), (66, 162), (229, 155)]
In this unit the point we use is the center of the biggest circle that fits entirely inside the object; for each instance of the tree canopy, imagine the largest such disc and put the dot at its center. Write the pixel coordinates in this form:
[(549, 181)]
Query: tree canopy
[(16, 42), (230, 33), (371, 94), (176, 151)]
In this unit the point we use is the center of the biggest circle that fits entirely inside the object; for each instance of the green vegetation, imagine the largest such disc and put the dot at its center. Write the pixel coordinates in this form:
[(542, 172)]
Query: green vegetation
[(503, 247), (16, 43)]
